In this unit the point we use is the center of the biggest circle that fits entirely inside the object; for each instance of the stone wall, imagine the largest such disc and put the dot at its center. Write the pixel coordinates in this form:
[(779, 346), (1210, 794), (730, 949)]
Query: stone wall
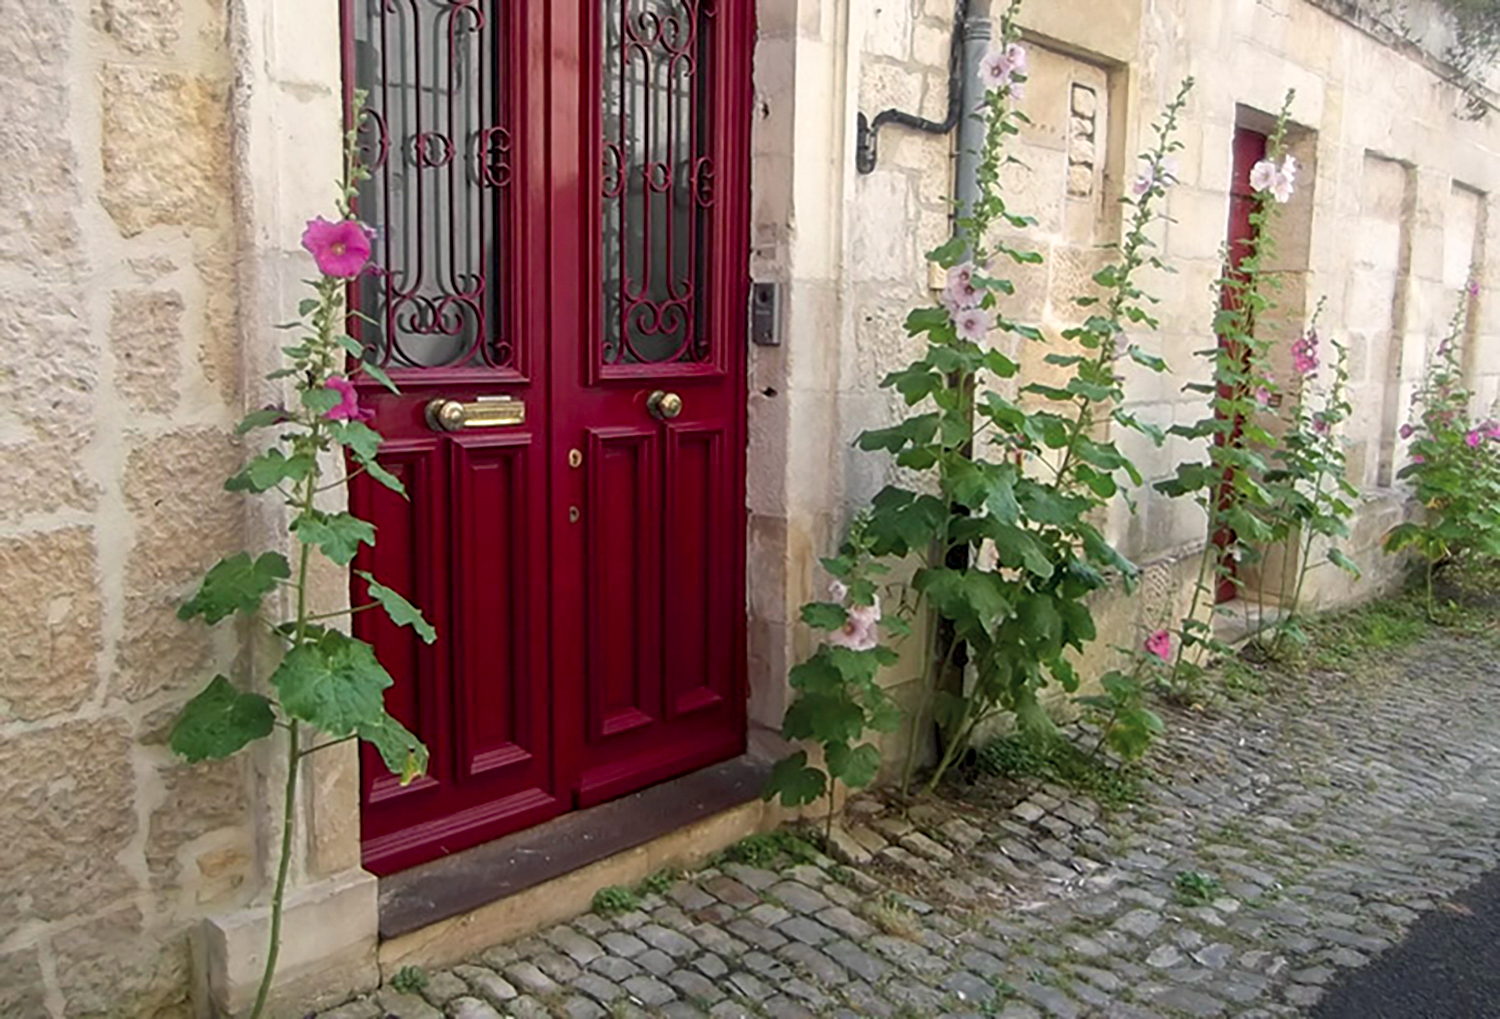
[(1390, 215), (117, 314)]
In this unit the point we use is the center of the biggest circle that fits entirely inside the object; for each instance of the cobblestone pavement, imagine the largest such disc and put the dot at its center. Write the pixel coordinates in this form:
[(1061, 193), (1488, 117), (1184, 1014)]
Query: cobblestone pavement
[(1316, 826)]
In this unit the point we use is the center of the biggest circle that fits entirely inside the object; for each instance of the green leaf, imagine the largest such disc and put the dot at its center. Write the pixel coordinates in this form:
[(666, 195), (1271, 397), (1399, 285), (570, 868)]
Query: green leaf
[(321, 400), (265, 418), (824, 717), (856, 767), (334, 684), (270, 469), (221, 721), (339, 535), (795, 782), (235, 585), (379, 376), (401, 611), (825, 616), (401, 751), (1343, 562), (308, 305), (385, 477), (361, 440)]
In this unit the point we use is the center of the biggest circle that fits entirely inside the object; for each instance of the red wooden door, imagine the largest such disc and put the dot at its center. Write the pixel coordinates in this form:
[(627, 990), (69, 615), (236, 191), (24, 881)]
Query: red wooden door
[(561, 194), (1249, 149)]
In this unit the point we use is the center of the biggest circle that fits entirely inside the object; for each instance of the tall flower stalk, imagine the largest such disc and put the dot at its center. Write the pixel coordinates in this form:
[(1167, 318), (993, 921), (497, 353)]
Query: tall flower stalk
[(328, 688), (1229, 483)]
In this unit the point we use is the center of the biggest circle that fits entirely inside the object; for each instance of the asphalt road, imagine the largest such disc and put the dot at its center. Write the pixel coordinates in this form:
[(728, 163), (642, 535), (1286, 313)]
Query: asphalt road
[(1447, 968)]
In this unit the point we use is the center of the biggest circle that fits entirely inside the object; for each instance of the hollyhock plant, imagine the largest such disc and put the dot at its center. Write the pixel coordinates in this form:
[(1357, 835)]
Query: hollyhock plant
[(342, 249), (1000, 67), (1160, 645), (1305, 354), (322, 686)]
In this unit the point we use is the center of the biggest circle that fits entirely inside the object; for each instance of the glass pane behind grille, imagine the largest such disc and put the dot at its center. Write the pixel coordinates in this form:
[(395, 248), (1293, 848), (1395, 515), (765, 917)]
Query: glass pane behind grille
[(658, 179), (439, 146)]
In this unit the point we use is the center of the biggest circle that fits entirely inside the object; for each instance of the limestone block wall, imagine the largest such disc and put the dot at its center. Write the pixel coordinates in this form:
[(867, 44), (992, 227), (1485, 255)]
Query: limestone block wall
[(1391, 212), (118, 392)]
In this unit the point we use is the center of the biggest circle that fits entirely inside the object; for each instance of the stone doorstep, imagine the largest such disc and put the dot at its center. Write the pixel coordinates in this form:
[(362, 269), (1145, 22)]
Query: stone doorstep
[(443, 912)]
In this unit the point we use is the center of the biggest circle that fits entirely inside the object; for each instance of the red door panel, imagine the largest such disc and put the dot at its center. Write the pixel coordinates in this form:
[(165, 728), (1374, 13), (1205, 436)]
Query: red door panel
[(561, 194)]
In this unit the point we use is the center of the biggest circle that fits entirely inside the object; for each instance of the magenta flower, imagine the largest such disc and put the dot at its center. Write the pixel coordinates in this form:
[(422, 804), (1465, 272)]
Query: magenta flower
[(1407, 431), (860, 632), (1305, 354), (341, 249), (1320, 424), (1263, 396), (1160, 645), (348, 408), (1474, 288), (1418, 458), (972, 324), (1474, 439)]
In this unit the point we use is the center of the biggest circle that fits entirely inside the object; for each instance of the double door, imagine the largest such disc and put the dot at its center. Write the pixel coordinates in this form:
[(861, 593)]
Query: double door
[(559, 192)]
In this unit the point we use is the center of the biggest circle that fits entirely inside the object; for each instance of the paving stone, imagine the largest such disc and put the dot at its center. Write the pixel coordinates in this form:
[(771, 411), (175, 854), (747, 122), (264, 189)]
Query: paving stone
[(711, 966), (580, 949), (918, 843), (613, 968), (727, 890), (649, 991), (782, 1007), (598, 988), (694, 986), (360, 1008), (671, 942), (689, 896), (1051, 1000), (656, 961), (488, 984), (1192, 1002), (583, 1008), (797, 897), (751, 877), (969, 988), (750, 987), (626, 946), (442, 987), (731, 1010), (815, 964), (405, 1006), (756, 934), (806, 930), (527, 1007), (529, 978), (470, 1008), (857, 961)]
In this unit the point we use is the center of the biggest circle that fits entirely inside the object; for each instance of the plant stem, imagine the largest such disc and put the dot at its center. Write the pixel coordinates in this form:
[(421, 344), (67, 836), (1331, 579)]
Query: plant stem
[(278, 899)]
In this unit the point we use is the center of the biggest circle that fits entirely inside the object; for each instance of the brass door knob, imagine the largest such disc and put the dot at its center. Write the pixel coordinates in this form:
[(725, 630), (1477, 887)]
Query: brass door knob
[(664, 406)]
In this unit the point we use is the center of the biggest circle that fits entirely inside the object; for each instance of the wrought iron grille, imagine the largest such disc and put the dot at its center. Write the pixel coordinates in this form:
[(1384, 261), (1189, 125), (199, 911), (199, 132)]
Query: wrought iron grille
[(658, 179), (438, 142)]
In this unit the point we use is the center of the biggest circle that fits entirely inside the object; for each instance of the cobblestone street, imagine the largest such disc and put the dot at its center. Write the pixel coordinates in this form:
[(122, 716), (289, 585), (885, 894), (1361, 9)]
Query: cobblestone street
[(1282, 841)]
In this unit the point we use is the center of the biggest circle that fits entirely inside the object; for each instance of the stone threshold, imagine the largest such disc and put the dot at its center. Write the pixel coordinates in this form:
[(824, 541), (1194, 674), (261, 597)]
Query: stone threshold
[(475, 878)]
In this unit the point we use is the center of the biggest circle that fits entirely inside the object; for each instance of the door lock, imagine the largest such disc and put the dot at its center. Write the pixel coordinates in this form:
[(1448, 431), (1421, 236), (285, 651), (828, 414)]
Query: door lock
[(486, 412), (664, 406)]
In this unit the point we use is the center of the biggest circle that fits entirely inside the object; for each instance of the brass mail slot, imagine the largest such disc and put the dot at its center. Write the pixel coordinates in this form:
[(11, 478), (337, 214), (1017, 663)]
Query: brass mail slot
[(485, 412)]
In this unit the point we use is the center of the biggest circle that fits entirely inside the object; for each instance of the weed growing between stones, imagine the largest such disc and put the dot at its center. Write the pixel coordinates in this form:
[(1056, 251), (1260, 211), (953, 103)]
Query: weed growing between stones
[(769, 851), (1193, 888), (1049, 757), (615, 899), (410, 980)]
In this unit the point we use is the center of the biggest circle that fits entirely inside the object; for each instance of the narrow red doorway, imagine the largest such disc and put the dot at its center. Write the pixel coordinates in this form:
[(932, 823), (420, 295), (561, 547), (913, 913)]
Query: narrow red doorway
[(561, 195), (1249, 149)]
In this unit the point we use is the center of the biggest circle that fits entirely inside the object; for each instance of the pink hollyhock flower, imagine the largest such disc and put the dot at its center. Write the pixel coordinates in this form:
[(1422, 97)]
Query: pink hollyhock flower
[(861, 631), (1320, 424), (972, 324), (348, 408), (1473, 288), (838, 591), (1160, 645), (341, 249), (1305, 354), (1407, 431), (1263, 396), (1418, 458), (1474, 439), (1262, 175), (961, 293), (999, 68)]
